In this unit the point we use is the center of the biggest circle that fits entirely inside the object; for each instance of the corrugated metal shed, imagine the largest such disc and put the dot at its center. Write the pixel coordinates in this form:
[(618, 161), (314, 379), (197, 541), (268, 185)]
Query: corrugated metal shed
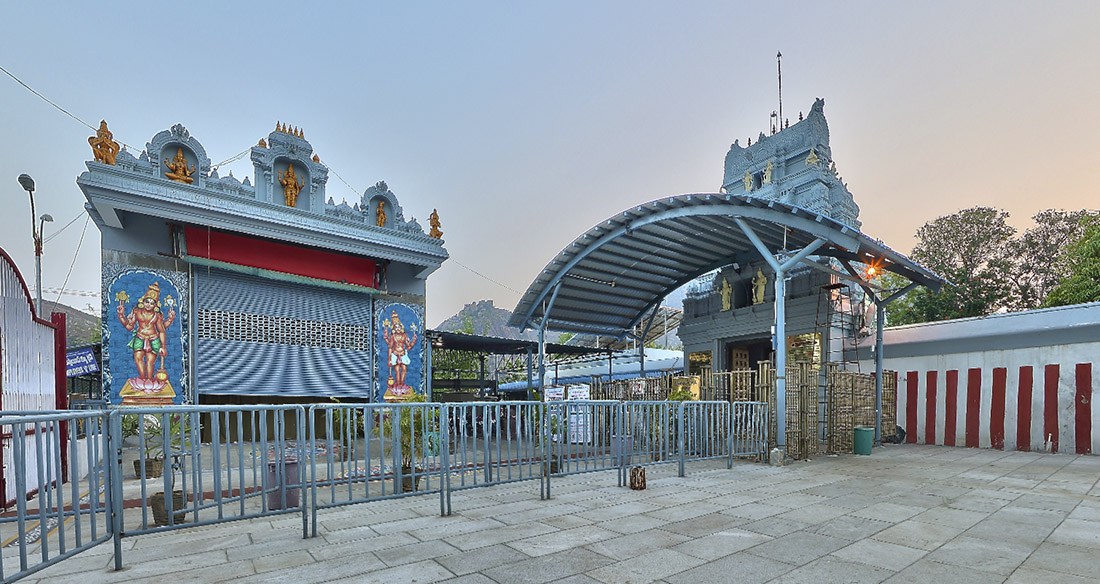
[(609, 278)]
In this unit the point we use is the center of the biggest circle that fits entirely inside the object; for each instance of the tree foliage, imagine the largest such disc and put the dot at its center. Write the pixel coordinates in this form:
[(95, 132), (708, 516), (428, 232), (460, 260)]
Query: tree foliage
[(1040, 258), (1082, 258), (990, 270), (969, 248)]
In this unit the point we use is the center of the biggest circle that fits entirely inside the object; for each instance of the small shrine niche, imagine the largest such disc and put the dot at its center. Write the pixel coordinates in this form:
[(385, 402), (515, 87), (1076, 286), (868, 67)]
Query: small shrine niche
[(291, 184), (288, 173), (179, 157), (380, 207)]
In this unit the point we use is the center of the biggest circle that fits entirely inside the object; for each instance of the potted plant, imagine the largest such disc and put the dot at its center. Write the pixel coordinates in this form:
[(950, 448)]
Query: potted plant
[(178, 443), (415, 431), (150, 428)]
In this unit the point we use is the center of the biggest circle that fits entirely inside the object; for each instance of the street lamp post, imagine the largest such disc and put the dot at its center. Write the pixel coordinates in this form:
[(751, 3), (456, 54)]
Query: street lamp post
[(27, 183)]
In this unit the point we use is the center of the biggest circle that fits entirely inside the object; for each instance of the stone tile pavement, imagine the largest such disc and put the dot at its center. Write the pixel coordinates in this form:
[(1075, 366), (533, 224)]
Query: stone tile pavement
[(907, 513)]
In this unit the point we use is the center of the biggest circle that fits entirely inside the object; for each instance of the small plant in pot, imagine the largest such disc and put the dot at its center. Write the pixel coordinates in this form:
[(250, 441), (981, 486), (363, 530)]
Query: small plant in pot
[(178, 443), (415, 431), (149, 426)]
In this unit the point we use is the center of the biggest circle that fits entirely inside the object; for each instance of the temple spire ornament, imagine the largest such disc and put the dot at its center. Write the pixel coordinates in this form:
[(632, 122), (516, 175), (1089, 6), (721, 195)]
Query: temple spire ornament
[(104, 147)]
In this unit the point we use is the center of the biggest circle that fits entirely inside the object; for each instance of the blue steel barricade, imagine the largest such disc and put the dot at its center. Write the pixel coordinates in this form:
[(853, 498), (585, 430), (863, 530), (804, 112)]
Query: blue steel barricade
[(489, 443), (231, 463), (367, 452), (583, 436), (704, 431), (55, 519), (653, 427), (749, 431)]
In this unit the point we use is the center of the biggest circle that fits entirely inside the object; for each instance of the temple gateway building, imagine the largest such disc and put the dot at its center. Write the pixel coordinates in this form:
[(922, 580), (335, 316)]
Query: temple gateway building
[(217, 290), (728, 315)]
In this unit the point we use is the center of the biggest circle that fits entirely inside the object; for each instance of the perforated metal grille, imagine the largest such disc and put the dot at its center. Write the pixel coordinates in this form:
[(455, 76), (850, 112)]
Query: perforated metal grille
[(259, 336), (261, 328)]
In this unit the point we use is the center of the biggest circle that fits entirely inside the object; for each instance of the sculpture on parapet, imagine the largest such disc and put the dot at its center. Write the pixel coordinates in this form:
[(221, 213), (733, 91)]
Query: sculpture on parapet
[(104, 147), (768, 173), (292, 185), (748, 182), (759, 281), (433, 221), (178, 168), (726, 291), (380, 214)]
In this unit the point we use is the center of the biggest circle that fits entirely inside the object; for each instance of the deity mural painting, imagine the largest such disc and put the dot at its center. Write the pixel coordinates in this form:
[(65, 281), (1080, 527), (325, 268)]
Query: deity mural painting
[(400, 352), (144, 339)]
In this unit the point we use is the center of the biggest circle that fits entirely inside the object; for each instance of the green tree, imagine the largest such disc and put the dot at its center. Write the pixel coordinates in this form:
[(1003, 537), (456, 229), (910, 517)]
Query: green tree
[(1082, 258), (1040, 257), (970, 249)]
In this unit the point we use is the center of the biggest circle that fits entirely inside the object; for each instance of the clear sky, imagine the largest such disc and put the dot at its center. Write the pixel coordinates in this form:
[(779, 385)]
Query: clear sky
[(525, 125)]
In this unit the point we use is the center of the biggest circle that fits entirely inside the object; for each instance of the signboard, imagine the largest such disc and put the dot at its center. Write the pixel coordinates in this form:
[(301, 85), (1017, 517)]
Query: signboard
[(580, 416), (80, 362), (579, 391), (553, 393)]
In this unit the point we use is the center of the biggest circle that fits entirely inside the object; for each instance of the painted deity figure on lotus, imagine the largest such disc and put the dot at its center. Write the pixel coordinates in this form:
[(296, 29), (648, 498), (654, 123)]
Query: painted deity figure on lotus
[(149, 341), (399, 344)]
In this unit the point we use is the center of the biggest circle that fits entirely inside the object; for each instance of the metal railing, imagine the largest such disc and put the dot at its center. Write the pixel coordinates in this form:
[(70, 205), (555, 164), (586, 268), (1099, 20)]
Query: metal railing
[(220, 463), (54, 520), (227, 463)]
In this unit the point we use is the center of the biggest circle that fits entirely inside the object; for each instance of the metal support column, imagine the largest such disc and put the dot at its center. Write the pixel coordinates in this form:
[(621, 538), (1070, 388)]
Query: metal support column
[(780, 321), (546, 308)]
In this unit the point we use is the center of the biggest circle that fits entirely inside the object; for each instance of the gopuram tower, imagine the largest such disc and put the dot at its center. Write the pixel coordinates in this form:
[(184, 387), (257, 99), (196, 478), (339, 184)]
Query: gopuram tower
[(793, 166)]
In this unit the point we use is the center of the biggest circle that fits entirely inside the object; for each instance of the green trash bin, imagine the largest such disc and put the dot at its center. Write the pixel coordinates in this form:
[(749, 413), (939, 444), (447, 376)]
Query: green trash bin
[(863, 440)]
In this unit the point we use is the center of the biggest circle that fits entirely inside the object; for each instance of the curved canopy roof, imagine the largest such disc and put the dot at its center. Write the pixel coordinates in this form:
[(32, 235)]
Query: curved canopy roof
[(614, 274)]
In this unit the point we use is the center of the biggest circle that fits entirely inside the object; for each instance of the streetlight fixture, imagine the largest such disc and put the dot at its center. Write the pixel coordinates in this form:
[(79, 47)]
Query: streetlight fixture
[(27, 183)]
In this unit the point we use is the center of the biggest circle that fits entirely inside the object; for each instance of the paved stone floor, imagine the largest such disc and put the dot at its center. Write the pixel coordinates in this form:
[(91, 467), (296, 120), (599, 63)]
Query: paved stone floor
[(904, 514)]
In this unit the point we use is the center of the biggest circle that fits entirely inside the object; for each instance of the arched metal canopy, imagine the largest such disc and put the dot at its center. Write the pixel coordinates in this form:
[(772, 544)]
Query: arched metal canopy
[(608, 279)]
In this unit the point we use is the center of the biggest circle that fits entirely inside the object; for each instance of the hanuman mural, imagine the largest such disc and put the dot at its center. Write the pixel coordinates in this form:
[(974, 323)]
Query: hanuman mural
[(143, 341), (400, 363)]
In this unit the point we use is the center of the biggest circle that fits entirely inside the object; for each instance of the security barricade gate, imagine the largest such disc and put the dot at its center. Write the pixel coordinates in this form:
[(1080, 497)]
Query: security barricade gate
[(58, 519), (201, 465)]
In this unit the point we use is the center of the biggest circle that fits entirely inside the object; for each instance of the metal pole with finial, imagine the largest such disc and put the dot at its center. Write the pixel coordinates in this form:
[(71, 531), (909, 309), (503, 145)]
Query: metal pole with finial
[(779, 67)]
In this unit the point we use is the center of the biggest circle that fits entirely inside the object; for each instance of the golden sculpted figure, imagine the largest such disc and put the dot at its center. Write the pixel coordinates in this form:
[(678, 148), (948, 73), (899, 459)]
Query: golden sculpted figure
[(380, 214), (726, 291), (759, 281), (104, 147), (811, 158), (292, 185), (177, 168), (768, 173), (748, 182), (433, 220)]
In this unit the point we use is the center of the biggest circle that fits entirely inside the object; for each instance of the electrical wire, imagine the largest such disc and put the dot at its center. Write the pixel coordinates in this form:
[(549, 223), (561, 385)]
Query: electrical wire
[(234, 158), (80, 243), (505, 286), (61, 109), (58, 232)]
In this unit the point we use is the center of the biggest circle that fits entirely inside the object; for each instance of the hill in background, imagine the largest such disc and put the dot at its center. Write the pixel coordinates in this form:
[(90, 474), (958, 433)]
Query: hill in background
[(482, 318), (81, 328)]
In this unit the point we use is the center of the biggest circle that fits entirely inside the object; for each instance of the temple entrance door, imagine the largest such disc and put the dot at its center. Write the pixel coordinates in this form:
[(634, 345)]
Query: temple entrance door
[(737, 358)]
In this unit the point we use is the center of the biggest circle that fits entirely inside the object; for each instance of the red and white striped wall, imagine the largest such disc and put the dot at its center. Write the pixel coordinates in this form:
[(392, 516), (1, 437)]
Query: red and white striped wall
[(1016, 381), (1032, 406)]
